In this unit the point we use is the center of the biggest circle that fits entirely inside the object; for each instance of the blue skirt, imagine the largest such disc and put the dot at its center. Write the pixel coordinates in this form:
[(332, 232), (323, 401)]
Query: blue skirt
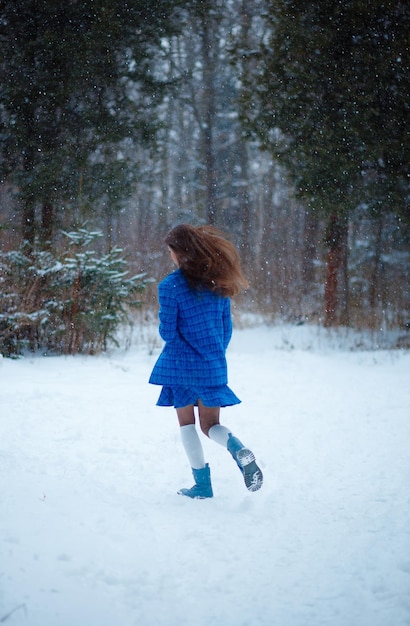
[(179, 397)]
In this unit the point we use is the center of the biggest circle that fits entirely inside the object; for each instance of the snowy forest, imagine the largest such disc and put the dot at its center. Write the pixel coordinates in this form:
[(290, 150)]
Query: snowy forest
[(284, 123)]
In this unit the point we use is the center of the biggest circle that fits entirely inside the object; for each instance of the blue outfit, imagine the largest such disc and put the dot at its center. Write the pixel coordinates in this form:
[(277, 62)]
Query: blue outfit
[(196, 326)]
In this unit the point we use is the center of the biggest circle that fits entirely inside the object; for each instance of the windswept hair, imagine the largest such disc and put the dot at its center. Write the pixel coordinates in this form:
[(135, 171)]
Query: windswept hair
[(207, 259)]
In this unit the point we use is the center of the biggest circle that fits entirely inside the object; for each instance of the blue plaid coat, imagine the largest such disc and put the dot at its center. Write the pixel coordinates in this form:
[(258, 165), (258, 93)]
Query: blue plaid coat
[(196, 327)]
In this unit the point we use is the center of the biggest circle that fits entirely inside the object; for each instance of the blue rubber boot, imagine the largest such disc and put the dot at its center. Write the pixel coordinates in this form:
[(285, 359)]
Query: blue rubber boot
[(202, 488), (245, 459)]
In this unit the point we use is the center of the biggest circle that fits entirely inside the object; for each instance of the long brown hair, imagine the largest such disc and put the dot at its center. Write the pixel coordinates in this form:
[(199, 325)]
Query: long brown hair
[(207, 259)]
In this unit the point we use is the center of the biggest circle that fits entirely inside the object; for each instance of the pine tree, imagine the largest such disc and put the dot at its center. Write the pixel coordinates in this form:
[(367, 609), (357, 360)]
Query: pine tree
[(76, 90), (330, 100)]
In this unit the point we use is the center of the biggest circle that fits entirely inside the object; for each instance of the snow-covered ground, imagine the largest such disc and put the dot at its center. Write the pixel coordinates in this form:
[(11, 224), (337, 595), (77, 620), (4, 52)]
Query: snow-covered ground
[(92, 532)]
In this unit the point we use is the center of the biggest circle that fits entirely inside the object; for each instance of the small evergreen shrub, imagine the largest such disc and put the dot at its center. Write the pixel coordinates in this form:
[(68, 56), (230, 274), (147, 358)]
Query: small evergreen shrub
[(67, 304)]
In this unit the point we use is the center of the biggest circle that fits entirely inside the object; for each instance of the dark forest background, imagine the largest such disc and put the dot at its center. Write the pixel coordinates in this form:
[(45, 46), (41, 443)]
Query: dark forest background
[(282, 122)]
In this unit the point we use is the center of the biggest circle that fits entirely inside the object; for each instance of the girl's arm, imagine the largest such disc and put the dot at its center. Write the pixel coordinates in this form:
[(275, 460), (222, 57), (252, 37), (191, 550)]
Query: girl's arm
[(168, 313), (227, 323)]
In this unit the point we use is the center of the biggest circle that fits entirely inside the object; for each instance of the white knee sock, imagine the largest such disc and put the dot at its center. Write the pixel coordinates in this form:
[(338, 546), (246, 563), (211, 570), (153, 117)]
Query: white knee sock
[(192, 446), (219, 434)]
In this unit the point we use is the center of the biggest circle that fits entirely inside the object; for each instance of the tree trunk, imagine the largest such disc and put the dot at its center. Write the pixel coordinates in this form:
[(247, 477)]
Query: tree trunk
[(335, 238), (207, 131), (47, 218), (244, 199), (374, 289), (344, 290), (310, 226), (245, 208), (28, 223)]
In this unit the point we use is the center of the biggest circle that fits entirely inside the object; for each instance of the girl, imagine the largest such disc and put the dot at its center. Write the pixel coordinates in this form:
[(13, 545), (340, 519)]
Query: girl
[(196, 325)]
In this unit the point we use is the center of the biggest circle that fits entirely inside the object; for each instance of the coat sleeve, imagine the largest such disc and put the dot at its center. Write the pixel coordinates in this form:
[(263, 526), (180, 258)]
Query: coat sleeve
[(168, 313), (227, 323)]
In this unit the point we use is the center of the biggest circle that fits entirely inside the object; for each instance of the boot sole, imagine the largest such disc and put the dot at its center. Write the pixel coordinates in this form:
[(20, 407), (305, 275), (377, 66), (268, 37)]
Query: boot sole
[(252, 474), (189, 494)]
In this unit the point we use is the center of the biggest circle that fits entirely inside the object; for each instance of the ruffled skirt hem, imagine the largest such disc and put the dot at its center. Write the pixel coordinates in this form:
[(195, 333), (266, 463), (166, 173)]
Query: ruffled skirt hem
[(179, 397)]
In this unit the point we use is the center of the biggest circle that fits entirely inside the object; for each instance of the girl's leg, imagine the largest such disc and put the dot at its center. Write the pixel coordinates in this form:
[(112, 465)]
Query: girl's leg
[(245, 459), (193, 448), (208, 417), (189, 437), (210, 426), (186, 415)]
